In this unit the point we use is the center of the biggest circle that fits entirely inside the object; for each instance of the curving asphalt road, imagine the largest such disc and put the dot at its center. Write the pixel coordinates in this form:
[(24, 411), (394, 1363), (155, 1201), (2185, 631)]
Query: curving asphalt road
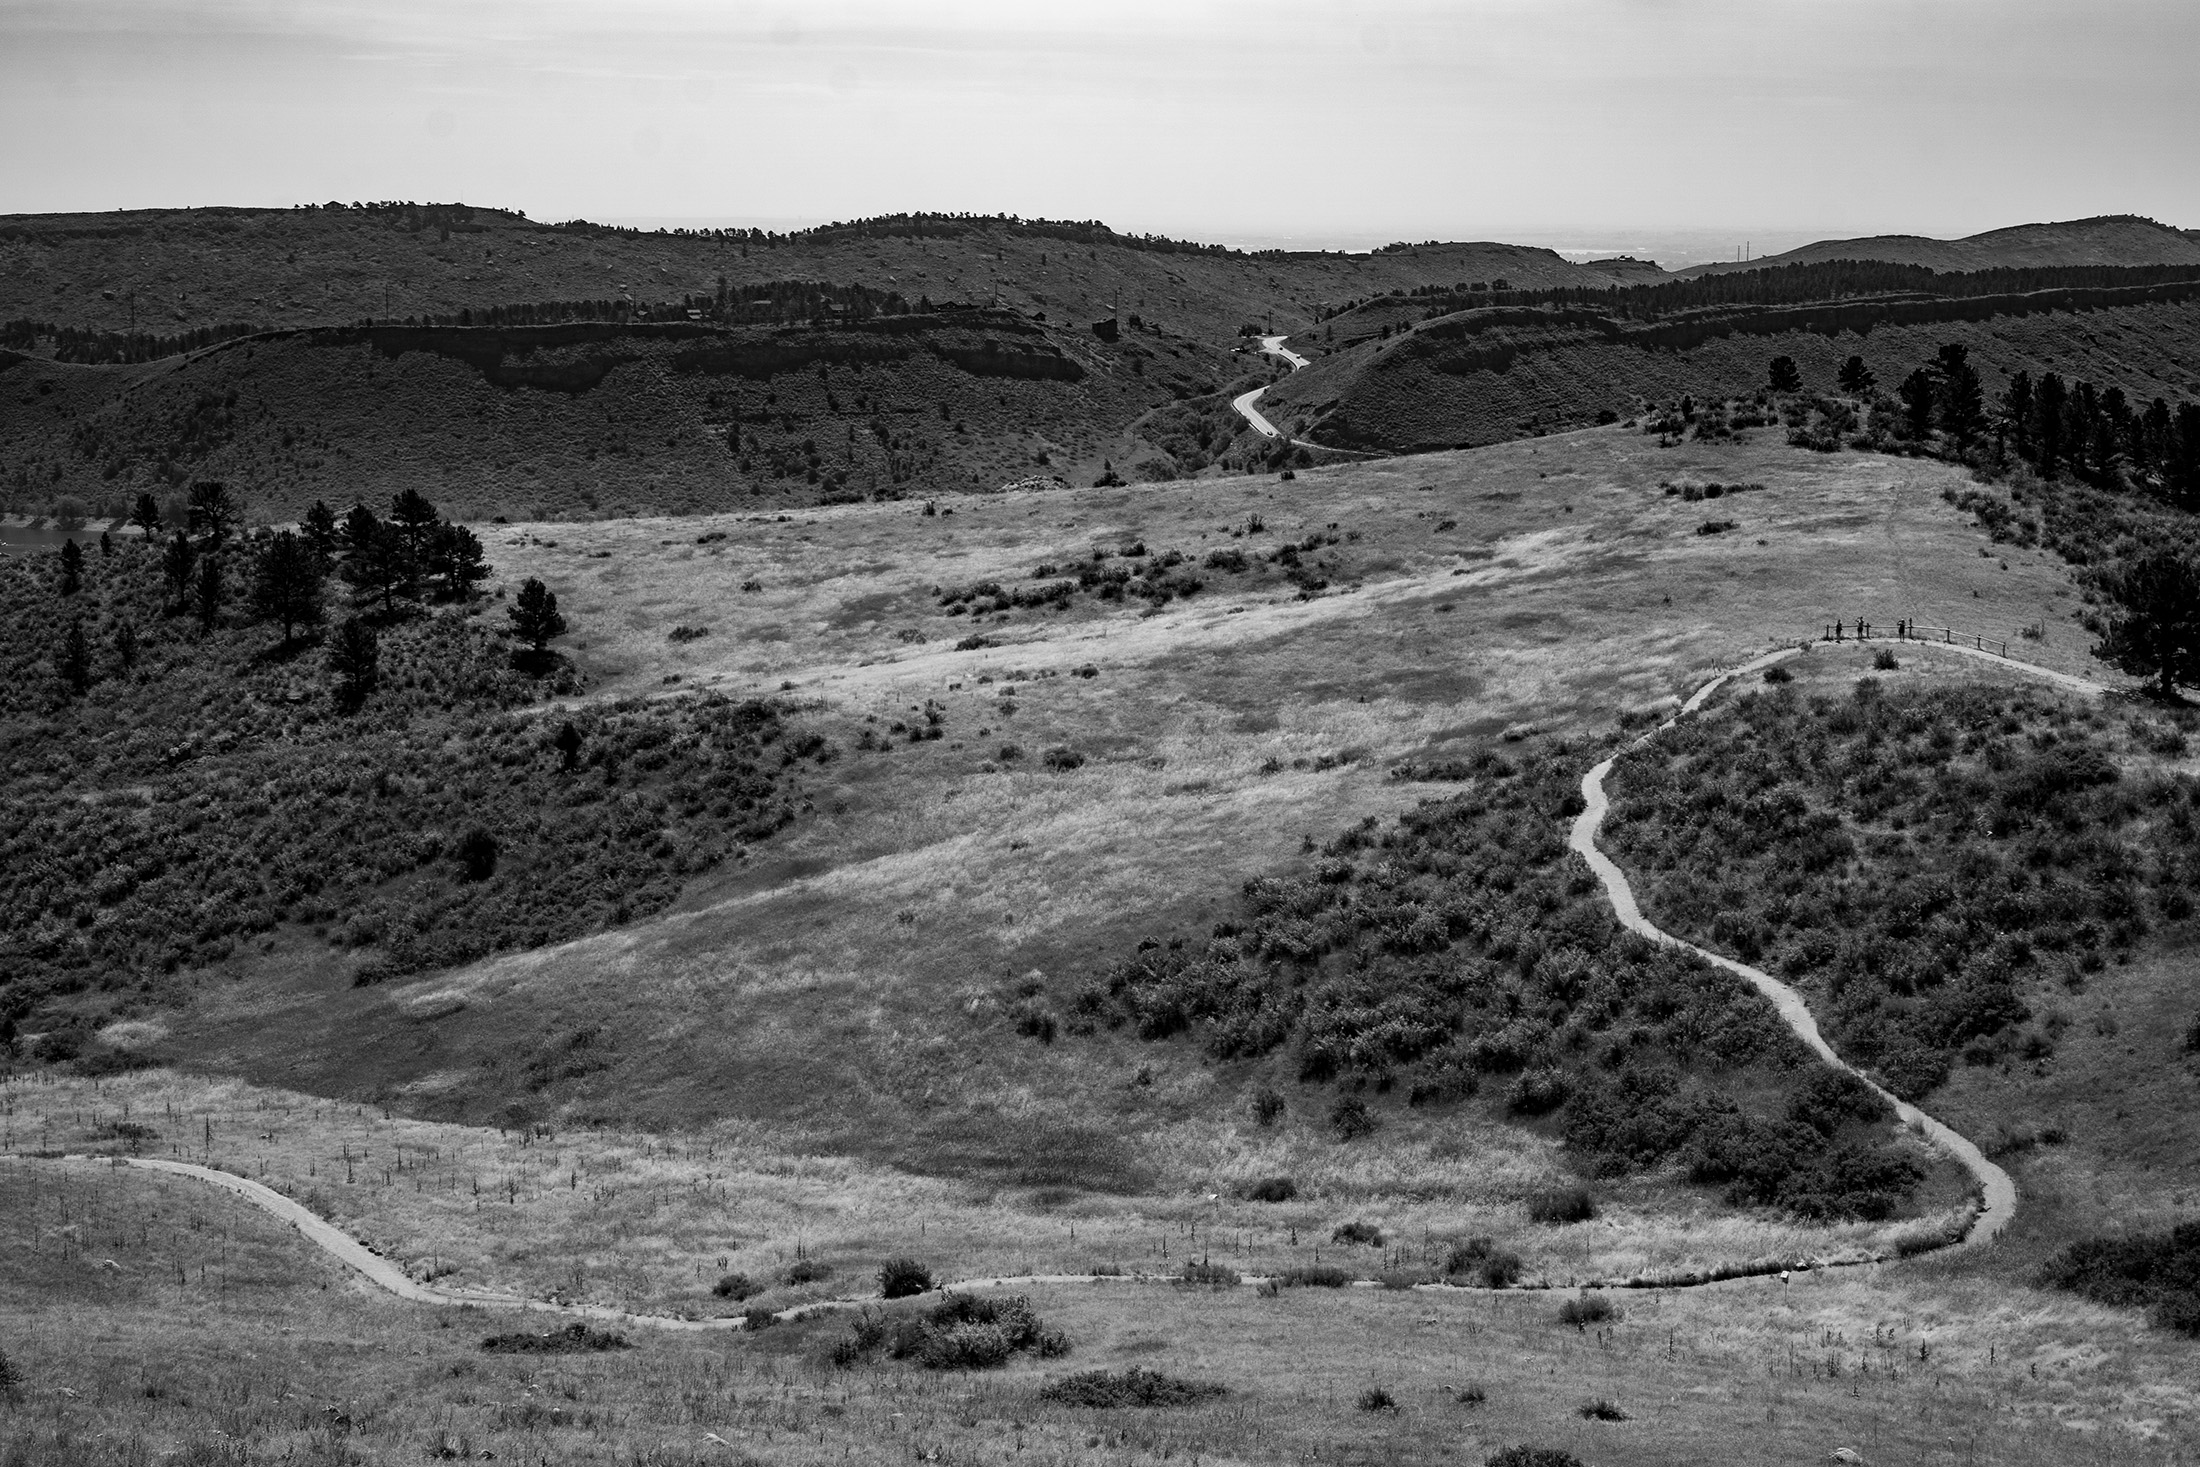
[(1258, 421), (1998, 1194)]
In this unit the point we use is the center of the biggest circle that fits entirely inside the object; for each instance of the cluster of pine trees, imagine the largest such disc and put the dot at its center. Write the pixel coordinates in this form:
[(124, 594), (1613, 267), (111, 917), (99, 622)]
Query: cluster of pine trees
[(412, 554)]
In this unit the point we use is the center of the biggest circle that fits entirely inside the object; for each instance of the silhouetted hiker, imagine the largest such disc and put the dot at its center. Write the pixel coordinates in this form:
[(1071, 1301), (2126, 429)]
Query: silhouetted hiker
[(1837, 630)]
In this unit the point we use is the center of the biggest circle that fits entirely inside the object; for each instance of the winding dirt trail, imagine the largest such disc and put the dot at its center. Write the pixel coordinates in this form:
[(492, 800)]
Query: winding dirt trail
[(1998, 1194)]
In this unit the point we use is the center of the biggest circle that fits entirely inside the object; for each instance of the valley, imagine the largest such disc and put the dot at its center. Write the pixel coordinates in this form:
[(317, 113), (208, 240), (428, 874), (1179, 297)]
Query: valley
[(948, 829)]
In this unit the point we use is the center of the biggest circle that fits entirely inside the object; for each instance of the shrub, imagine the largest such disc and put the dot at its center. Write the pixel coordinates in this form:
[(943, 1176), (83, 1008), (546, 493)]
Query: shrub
[(735, 1286), (808, 1271), (1884, 660), (1537, 1092), (1062, 759), (1108, 1389), (1350, 1118), (1776, 674), (1272, 1189), (967, 1346), (1497, 1268), (759, 1316), (574, 1339), (1375, 1398), (1562, 1205), (1210, 1275), (1314, 1276), (1601, 1410), (477, 853), (1590, 1308), (1470, 1396), (1267, 1106), (1533, 1457), (900, 1278), (1358, 1234), (2158, 1270), (11, 1374)]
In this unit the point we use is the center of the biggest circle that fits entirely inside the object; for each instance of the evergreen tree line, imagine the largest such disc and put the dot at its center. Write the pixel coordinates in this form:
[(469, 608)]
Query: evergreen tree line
[(2095, 434), (83, 345), (1089, 232), (1804, 284), (767, 303), (2149, 578)]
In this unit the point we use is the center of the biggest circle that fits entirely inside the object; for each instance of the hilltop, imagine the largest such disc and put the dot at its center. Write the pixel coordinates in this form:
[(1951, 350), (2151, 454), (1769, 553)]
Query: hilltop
[(166, 271), (2109, 239)]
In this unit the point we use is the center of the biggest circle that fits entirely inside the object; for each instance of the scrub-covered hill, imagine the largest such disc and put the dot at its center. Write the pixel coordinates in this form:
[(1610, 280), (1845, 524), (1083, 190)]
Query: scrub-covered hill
[(2110, 239)]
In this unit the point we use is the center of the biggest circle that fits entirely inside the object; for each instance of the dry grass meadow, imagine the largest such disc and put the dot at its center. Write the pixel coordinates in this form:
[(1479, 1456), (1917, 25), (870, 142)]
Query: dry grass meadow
[(814, 1054)]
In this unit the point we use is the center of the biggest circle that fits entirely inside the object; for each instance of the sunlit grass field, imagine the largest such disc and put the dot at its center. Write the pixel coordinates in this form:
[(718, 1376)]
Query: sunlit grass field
[(153, 1321), (817, 1055)]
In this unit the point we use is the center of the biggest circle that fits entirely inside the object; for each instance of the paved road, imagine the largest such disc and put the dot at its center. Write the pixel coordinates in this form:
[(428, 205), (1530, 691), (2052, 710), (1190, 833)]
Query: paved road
[(1258, 421)]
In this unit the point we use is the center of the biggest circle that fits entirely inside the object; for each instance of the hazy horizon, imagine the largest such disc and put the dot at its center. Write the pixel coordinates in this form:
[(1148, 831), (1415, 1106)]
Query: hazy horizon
[(1316, 125)]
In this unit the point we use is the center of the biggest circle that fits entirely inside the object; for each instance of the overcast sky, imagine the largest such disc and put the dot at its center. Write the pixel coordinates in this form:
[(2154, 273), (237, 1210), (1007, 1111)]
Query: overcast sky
[(1364, 121)]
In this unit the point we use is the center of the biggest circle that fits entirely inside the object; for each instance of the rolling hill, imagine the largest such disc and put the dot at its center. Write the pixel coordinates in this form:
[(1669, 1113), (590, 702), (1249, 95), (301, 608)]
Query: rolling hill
[(1480, 376), (2110, 239), (593, 418), (172, 270)]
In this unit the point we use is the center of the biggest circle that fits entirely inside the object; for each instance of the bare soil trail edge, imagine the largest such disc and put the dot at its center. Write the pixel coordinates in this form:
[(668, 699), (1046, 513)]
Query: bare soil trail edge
[(1997, 1203)]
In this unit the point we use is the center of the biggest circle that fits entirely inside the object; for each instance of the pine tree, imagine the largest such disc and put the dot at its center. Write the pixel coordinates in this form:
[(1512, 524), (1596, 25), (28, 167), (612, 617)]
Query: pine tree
[(72, 568), (1785, 376), (1962, 403), (414, 516), (320, 530), (379, 565), (2049, 402), (1919, 393), (177, 563), (455, 558), (213, 511), (286, 583), (2154, 630), (126, 645), (2016, 412), (534, 614), (1855, 377), (145, 514), (74, 661), (355, 658), (359, 529), (209, 592)]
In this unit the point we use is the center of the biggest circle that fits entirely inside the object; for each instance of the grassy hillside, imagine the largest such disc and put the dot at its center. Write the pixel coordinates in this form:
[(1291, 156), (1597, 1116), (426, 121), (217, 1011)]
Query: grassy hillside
[(2110, 239), (1482, 376), (1060, 757), (956, 869), (588, 419)]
